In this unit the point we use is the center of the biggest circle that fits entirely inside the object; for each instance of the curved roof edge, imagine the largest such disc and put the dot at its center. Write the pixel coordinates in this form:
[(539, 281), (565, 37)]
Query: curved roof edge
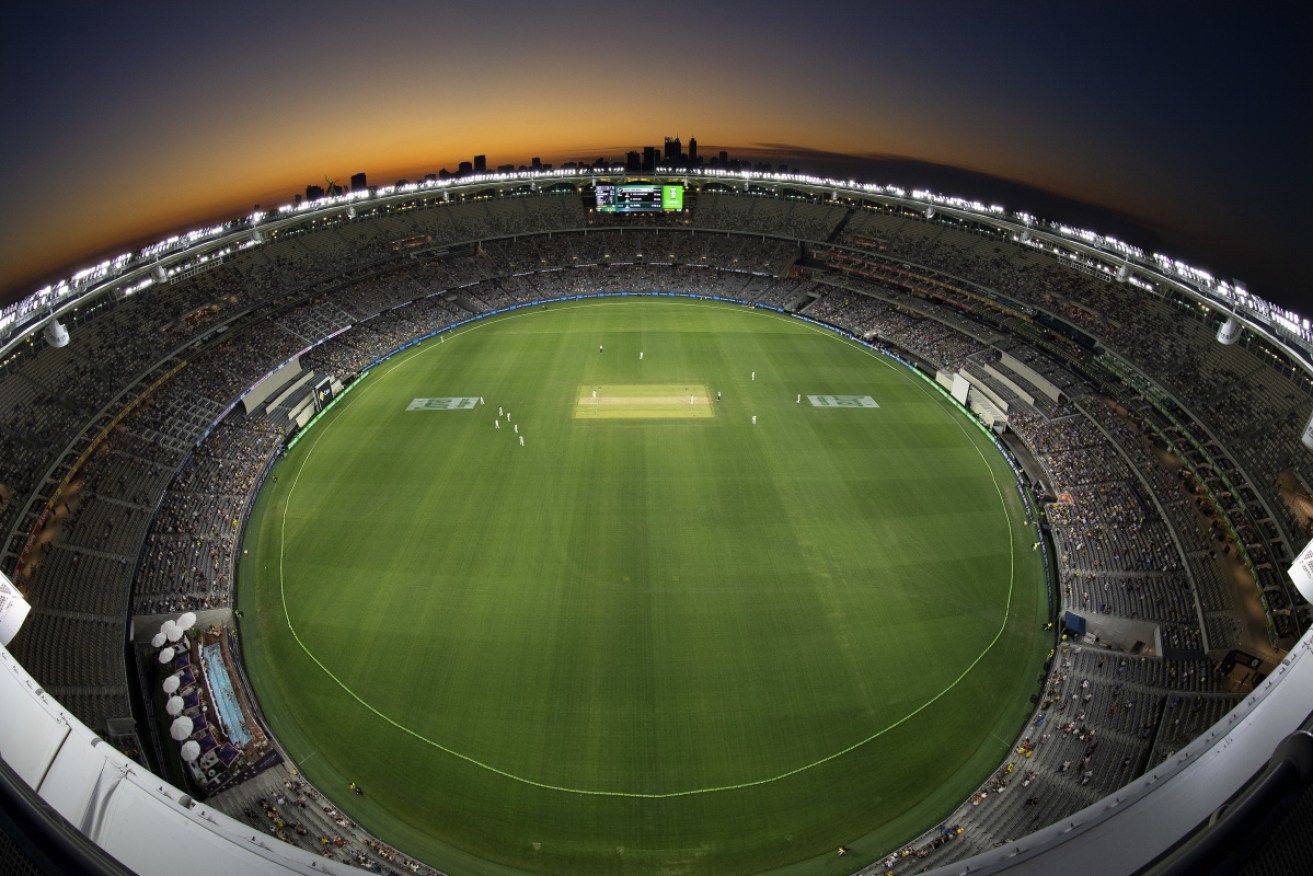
[(1136, 825), (121, 807), (142, 822), (1087, 250)]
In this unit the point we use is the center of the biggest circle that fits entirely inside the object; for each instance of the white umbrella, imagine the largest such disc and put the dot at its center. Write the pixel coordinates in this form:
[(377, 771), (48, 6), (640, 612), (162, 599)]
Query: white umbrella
[(174, 706), (172, 683), (166, 655), (181, 727), (158, 640), (168, 625), (191, 749), (174, 633), (187, 620)]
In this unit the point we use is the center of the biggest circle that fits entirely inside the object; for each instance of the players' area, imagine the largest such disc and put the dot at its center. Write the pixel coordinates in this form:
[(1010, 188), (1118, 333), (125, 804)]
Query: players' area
[(697, 623)]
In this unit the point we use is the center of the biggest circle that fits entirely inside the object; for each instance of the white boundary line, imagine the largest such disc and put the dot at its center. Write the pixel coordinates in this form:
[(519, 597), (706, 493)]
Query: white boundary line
[(282, 541)]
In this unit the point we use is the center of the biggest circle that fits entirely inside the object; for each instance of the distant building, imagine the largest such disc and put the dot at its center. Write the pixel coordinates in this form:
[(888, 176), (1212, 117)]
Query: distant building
[(313, 192), (506, 168), (358, 183), (465, 168), (673, 151), (480, 164), (692, 151), (649, 158), (633, 161), (536, 163)]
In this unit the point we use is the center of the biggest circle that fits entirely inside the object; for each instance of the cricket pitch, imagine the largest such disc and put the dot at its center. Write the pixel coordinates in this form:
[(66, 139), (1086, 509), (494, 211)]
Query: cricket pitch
[(645, 401)]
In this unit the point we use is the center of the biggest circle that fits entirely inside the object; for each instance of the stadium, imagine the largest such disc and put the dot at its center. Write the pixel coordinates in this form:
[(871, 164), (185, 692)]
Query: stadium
[(601, 521)]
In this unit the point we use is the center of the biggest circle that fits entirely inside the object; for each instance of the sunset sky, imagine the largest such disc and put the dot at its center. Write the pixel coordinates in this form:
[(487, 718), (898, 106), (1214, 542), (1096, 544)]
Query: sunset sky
[(128, 120)]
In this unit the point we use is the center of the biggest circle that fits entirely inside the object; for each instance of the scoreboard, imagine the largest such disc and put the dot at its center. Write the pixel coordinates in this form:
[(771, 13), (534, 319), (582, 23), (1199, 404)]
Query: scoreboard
[(639, 198)]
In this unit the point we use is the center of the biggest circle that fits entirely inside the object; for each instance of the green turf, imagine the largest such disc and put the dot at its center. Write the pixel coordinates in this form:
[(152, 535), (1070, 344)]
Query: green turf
[(666, 644)]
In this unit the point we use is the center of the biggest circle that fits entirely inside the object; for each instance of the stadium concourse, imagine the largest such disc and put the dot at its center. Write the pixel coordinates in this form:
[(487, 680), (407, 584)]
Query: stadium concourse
[(1174, 486)]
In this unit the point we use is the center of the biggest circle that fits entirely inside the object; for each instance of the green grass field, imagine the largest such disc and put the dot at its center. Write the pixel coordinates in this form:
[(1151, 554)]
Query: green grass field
[(655, 642)]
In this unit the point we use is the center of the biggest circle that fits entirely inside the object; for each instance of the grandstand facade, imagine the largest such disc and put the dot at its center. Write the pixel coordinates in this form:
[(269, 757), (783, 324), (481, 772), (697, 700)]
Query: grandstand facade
[(1158, 414)]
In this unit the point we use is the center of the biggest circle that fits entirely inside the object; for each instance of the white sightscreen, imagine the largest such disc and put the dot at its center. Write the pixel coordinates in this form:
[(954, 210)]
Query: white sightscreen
[(13, 610), (271, 384), (1302, 572), (960, 388)]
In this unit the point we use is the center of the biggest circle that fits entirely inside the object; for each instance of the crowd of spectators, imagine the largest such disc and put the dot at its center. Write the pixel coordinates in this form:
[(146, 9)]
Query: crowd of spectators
[(1134, 535), (281, 803), (187, 560), (1148, 331), (891, 322), (1103, 718), (1251, 398)]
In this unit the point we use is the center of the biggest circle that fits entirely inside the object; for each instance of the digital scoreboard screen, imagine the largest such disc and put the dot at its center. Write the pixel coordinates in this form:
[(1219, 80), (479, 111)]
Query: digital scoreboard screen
[(639, 198)]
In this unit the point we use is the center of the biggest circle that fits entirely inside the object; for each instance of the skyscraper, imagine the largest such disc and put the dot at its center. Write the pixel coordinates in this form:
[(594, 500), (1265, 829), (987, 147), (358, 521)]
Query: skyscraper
[(673, 150), (358, 183), (480, 164), (692, 151)]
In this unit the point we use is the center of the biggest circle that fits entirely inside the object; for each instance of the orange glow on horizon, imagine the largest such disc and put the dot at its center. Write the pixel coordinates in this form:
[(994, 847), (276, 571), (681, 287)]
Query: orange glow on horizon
[(201, 186)]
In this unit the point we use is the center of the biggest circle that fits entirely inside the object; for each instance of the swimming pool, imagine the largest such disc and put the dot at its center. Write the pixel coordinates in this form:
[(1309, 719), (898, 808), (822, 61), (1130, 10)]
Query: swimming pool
[(225, 698)]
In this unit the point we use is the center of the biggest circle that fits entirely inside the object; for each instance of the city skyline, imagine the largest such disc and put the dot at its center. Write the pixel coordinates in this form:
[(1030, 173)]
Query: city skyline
[(1186, 129)]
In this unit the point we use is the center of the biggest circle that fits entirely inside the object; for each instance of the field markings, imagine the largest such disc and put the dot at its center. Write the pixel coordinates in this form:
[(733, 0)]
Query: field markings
[(842, 401), (688, 792), (459, 403)]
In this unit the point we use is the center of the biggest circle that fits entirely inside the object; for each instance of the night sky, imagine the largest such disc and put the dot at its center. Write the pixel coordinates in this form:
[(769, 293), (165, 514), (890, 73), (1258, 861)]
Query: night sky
[(1190, 130)]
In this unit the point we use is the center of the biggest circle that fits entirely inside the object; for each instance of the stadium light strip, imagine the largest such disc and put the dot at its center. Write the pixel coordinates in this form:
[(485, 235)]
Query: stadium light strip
[(22, 317)]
